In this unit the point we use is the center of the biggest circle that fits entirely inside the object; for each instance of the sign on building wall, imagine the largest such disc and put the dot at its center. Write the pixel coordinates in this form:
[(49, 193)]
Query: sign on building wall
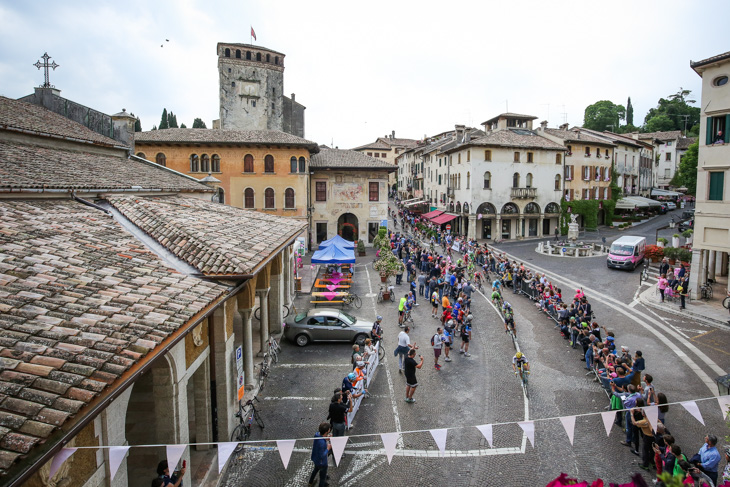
[(239, 367)]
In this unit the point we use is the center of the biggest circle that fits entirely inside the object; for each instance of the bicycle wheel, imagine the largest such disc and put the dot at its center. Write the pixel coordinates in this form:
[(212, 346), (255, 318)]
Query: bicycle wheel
[(286, 311), (257, 313), (274, 354), (392, 296), (257, 417), (357, 301), (380, 297), (726, 302), (240, 433), (263, 372), (381, 352)]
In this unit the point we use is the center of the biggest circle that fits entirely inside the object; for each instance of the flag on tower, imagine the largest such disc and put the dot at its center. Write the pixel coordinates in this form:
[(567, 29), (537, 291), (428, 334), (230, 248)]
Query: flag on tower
[(253, 34)]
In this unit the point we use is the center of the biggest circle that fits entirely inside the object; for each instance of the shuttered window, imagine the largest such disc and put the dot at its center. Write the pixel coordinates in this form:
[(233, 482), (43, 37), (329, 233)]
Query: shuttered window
[(717, 186)]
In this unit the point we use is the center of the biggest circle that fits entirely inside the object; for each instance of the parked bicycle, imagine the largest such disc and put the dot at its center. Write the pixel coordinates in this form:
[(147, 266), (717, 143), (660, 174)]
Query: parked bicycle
[(264, 371), (352, 299), (246, 417), (383, 290), (408, 319), (274, 349), (706, 292), (284, 313)]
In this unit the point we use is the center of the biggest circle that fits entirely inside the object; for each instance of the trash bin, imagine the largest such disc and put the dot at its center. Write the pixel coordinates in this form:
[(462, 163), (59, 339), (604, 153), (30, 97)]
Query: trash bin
[(297, 283)]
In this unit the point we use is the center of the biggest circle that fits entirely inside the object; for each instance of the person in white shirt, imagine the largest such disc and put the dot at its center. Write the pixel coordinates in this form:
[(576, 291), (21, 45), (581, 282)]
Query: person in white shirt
[(404, 345), (438, 344)]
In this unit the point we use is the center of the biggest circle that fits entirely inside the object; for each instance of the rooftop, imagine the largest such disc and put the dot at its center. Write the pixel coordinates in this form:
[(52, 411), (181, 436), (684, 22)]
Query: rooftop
[(347, 159), (248, 46), (28, 118), (518, 138), (220, 136), (577, 136), (509, 115), (216, 239), (378, 144), (685, 142), (28, 166), (81, 301), (710, 60), (670, 135)]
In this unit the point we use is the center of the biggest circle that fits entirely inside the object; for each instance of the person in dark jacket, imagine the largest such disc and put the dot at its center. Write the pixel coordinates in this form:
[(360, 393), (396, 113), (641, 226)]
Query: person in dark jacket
[(320, 449)]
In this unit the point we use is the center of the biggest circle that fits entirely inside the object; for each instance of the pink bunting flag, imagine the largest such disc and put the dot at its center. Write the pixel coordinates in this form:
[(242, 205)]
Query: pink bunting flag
[(390, 440), (439, 436), (285, 448), (569, 425), (330, 295), (174, 453), (652, 414), (486, 430), (529, 428), (335, 280), (116, 455), (58, 460), (608, 418), (338, 446), (724, 405), (224, 453), (692, 409), (332, 287)]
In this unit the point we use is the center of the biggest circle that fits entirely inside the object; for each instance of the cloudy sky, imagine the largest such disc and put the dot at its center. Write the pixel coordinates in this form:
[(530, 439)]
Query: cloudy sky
[(365, 69)]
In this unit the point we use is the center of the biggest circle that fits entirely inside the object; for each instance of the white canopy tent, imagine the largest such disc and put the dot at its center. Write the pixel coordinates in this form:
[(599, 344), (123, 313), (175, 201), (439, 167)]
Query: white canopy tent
[(664, 192)]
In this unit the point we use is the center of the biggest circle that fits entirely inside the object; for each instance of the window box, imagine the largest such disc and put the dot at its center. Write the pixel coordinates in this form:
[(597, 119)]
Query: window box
[(607, 156), (568, 154)]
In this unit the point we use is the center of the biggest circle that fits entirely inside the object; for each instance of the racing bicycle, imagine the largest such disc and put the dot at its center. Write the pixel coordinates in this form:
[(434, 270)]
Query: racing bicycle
[(383, 290), (524, 374), (246, 417), (352, 299)]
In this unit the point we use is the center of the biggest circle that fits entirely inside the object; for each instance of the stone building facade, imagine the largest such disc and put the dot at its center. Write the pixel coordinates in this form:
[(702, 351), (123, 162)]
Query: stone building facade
[(389, 148)]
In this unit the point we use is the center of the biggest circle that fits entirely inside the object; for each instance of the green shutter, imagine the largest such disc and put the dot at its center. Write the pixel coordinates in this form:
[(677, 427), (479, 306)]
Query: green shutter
[(717, 186), (727, 126), (708, 138)]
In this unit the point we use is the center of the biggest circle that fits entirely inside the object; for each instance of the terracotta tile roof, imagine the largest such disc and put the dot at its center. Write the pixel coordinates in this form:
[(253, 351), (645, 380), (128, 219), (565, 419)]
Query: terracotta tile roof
[(720, 57), (518, 138), (396, 142), (220, 136), (577, 136), (378, 144), (30, 166), (21, 116), (348, 159), (510, 115), (669, 135), (684, 142), (81, 301), (216, 239)]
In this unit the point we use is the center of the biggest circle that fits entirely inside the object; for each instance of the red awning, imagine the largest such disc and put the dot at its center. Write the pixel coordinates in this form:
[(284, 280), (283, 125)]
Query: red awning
[(443, 218), (432, 214)]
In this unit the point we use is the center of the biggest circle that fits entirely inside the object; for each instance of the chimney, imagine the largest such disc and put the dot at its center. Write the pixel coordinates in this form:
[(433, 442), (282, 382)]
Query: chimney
[(293, 97), (460, 129), (543, 124), (564, 126), (392, 134), (124, 128)]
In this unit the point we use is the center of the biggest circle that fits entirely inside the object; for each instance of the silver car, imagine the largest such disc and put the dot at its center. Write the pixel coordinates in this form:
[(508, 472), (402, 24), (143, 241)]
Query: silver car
[(327, 325)]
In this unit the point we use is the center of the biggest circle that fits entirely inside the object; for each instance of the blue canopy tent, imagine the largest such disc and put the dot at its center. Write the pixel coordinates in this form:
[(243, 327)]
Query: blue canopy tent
[(333, 255), (337, 240)]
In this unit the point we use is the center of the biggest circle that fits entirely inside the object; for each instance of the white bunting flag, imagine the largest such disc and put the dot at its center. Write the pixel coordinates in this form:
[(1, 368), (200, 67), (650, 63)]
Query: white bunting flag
[(486, 430), (692, 409), (174, 453), (116, 455), (569, 425), (608, 418), (652, 414), (724, 405), (390, 440), (439, 436), (285, 448), (338, 446), (224, 452), (529, 428), (58, 460)]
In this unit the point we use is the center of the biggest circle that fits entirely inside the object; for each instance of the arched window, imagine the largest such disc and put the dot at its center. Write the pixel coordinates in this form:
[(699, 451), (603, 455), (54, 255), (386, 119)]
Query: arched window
[(552, 208), (269, 199), (268, 58), (487, 180), (516, 180), (302, 164), (248, 55), (468, 179), (532, 208), (194, 163), (510, 209), (141, 154), (238, 54), (216, 163), (465, 208), (557, 182), (204, 163), (248, 201), (160, 159), (248, 163), (528, 180), (289, 198), (269, 163), (258, 56), (458, 207), (487, 209), (228, 52), (293, 164)]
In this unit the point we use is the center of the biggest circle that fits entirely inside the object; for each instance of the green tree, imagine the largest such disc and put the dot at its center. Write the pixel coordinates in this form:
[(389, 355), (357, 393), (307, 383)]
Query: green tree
[(687, 173), (164, 123), (660, 123), (603, 115), (629, 113), (137, 125), (154, 127), (677, 109), (183, 126), (172, 120), (199, 124)]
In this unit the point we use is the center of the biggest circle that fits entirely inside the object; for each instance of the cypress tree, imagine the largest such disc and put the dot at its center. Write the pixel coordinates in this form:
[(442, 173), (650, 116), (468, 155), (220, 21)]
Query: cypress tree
[(164, 120), (629, 113), (137, 125)]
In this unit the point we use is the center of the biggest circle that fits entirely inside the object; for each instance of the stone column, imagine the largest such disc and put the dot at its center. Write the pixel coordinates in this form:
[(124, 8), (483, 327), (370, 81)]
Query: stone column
[(201, 393), (520, 224), (276, 304), (497, 230), (711, 265), (287, 272), (223, 325), (539, 225), (472, 226), (263, 295), (247, 347), (697, 269)]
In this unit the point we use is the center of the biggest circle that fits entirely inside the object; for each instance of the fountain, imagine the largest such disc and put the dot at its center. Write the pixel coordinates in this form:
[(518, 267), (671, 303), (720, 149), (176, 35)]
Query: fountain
[(571, 247)]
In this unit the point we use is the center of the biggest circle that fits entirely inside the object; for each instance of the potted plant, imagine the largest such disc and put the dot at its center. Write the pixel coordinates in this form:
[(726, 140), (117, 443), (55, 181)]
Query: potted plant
[(688, 234), (685, 256), (675, 240), (388, 265), (661, 241), (671, 254), (654, 253), (361, 248)]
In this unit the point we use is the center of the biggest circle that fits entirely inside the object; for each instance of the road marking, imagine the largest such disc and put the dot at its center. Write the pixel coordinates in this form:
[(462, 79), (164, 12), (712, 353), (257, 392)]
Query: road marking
[(307, 365), (703, 334), (634, 315)]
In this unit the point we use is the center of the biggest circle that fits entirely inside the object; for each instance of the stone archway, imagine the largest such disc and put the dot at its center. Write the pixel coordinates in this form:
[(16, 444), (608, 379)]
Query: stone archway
[(347, 227)]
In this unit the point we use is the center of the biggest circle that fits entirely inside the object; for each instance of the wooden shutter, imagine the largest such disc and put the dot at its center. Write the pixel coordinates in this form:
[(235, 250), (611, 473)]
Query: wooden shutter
[(708, 137), (727, 126)]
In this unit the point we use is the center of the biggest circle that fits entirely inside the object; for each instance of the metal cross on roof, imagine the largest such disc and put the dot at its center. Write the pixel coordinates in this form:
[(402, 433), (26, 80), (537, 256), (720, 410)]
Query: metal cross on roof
[(45, 67)]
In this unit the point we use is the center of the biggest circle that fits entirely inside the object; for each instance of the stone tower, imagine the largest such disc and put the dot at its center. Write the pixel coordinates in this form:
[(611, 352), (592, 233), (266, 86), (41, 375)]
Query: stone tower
[(251, 87)]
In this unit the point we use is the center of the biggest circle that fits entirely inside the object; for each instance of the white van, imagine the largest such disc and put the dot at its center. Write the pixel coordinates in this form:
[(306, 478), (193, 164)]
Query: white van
[(626, 252)]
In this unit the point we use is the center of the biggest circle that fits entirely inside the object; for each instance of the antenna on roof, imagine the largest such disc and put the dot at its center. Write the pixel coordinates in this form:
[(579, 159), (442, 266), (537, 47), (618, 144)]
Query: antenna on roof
[(506, 106)]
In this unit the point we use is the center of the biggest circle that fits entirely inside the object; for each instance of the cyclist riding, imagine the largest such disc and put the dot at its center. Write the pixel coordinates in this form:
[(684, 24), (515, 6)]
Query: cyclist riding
[(496, 297), (376, 334), (509, 318), (497, 284), (519, 361)]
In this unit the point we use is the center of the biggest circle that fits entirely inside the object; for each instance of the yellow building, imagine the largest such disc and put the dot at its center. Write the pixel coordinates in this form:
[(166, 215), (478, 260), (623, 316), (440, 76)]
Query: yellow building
[(264, 170)]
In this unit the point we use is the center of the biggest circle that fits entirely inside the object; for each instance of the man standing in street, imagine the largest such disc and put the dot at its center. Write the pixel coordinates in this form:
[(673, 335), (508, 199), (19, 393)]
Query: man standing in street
[(465, 337), (708, 458), (320, 449), (402, 309), (338, 413), (410, 372), (404, 347), (437, 341), (422, 284)]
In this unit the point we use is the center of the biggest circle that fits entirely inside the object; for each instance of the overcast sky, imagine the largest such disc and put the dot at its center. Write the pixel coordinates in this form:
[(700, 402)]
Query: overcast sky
[(365, 69)]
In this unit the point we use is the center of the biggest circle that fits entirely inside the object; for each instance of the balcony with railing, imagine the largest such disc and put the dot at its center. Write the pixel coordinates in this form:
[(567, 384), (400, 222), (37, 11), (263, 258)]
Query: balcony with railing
[(523, 193), (450, 192)]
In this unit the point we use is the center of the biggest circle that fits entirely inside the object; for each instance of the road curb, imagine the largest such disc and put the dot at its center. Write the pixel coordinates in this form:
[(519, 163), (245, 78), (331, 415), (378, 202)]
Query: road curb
[(687, 313)]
